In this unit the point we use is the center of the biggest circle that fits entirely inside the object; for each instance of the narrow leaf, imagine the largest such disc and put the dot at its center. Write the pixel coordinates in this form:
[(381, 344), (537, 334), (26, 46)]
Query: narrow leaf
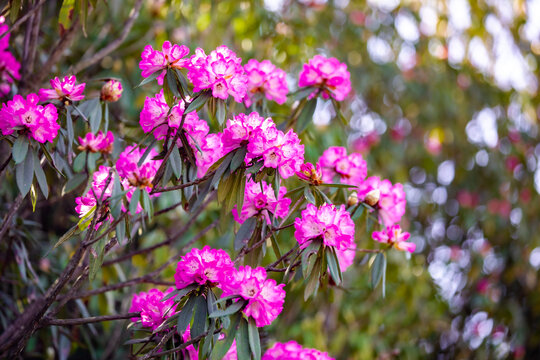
[(254, 339), (134, 201), (24, 174), (150, 78), (242, 341), (20, 149), (244, 233), (232, 309), (41, 178), (377, 269), (185, 315), (199, 319)]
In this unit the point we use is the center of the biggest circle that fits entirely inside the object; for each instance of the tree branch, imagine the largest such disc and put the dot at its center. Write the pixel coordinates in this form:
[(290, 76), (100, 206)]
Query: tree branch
[(88, 320)]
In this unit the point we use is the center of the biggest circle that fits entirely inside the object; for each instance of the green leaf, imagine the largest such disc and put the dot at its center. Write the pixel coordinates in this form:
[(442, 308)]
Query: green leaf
[(221, 112), (184, 87), (241, 188), (96, 261), (86, 220), (73, 183), (24, 174), (199, 319), (309, 195), (244, 233), (303, 93), (66, 14), (223, 346), (223, 166), (134, 201), (147, 204), (95, 115), (74, 230), (20, 149), (306, 115), (167, 93), (106, 115), (242, 341), (333, 265), (185, 315), (343, 186), (377, 269), (15, 8), (78, 163), (69, 127), (41, 178), (254, 339), (150, 78), (232, 309), (198, 102), (238, 158), (121, 231), (176, 162), (313, 279), (322, 195), (146, 152), (172, 83)]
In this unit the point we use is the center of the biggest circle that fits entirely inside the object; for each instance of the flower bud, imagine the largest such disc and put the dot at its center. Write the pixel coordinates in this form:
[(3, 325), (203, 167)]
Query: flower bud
[(310, 173), (353, 199), (111, 91), (372, 197)]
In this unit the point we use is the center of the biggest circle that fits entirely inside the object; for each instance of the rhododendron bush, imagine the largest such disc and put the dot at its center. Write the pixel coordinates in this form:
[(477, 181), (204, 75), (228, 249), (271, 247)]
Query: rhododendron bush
[(229, 185)]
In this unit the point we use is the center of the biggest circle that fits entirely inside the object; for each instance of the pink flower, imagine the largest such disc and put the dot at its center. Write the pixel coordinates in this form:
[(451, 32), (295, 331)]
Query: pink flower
[(260, 200), (240, 129), (264, 297), (212, 151), (66, 89), (4, 42), (193, 354), (9, 71), (155, 60), (278, 150), (310, 173), (351, 169), (137, 176), (111, 91), (221, 71), (392, 201), (328, 75), (99, 190), (202, 267), (157, 116), (97, 143), (266, 79), (293, 351), (153, 311), (330, 224), (25, 115), (394, 236), (346, 256)]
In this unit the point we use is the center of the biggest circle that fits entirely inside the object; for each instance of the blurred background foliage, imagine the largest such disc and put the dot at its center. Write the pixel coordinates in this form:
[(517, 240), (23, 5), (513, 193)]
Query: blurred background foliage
[(445, 101)]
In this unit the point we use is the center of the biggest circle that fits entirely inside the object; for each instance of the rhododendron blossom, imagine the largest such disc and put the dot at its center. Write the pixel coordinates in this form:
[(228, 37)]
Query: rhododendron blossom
[(394, 236), (278, 150), (346, 256), (9, 71), (65, 89), (240, 129), (392, 201), (137, 176), (39, 122), (97, 143), (221, 71), (259, 199), (328, 75), (153, 310), (155, 60), (293, 351), (202, 266), (330, 224), (101, 188), (194, 354), (212, 151), (336, 164), (266, 79), (264, 296), (311, 174), (111, 91)]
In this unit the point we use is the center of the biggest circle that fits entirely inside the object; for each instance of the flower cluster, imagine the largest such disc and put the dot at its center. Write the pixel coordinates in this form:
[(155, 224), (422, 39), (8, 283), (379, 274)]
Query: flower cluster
[(264, 297), (39, 122), (394, 236), (239, 130), (9, 66), (391, 202), (155, 60), (330, 224), (153, 310), (101, 188), (97, 143), (212, 151), (266, 79), (66, 89), (135, 175), (111, 91), (329, 76), (293, 351), (221, 71), (259, 199), (203, 267), (351, 169)]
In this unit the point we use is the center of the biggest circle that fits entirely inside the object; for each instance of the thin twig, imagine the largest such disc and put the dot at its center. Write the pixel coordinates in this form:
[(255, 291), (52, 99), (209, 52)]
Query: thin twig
[(6, 223), (23, 18), (88, 320)]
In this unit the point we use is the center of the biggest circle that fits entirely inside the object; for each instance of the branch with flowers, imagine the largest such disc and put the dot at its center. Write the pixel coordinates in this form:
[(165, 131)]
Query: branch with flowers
[(211, 141)]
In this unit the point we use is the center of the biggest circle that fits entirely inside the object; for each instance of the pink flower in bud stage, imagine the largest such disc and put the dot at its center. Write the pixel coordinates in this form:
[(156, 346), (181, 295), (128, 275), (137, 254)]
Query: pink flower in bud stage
[(264, 296), (203, 266), (97, 143), (155, 60), (65, 89), (221, 71), (278, 150), (293, 351), (111, 91), (329, 76), (39, 122), (137, 176), (330, 224), (337, 165), (392, 201), (266, 79), (259, 199), (310, 173), (9, 71), (394, 236), (153, 311)]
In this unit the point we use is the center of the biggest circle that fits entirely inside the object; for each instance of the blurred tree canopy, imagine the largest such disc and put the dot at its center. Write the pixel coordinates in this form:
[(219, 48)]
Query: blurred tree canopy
[(445, 101)]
